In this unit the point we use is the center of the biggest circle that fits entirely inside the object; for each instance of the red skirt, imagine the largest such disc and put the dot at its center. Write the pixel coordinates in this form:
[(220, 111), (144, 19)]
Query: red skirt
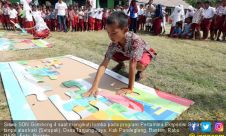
[(142, 19), (81, 23), (157, 26), (195, 27), (29, 24), (42, 34)]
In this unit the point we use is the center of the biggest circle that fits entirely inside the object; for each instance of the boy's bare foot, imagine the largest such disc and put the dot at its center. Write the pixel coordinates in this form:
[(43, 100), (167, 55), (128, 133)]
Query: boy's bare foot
[(118, 67)]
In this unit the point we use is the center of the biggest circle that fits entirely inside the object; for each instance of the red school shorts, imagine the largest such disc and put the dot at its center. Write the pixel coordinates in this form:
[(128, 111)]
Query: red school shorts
[(145, 60)]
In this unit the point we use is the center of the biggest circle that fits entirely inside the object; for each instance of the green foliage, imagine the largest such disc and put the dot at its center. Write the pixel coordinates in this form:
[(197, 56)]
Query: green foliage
[(193, 2)]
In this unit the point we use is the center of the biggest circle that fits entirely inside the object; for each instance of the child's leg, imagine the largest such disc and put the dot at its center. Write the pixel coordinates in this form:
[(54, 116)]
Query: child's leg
[(119, 58)]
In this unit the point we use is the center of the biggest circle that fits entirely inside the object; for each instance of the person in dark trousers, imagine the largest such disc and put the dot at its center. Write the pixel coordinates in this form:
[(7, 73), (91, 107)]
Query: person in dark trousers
[(133, 16), (61, 10)]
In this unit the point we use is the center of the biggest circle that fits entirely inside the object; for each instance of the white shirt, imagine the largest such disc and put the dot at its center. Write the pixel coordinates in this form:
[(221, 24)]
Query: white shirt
[(13, 14), (220, 11), (209, 13), (177, 15), (190, 13), (40, 24), (81, 15), (99, 15), (25, 5), (28, 16), (61, 8), (141, 12)]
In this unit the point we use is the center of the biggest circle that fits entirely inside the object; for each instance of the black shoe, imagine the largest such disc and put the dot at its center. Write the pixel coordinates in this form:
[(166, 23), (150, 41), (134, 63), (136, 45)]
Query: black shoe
[(138, 76)]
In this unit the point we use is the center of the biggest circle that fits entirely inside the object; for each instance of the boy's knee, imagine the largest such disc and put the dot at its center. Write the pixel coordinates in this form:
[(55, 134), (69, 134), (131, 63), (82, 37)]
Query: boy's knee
[(140, 66)]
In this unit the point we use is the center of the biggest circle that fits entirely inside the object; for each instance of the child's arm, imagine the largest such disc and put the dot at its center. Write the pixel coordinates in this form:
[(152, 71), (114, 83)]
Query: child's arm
[(101, 70), (132, 70)]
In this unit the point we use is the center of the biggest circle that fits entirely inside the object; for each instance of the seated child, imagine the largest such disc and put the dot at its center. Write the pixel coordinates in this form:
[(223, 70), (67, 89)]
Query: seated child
[(187, 33), (125, 46), (176, 30)]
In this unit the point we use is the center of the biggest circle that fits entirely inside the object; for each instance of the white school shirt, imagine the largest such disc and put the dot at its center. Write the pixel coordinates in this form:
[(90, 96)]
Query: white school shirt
[(140, 12), (13, 14), (220, 11), (5, 11), (28, 16), (189, 13), (198, 16), (99, 15), (81, 15), (209, 13), (40, 24), (25, 5), (61, 8)]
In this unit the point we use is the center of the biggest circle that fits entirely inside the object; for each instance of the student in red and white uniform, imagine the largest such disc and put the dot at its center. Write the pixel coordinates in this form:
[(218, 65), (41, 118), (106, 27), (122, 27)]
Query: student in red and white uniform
[(13, 16), (219, 20), (5, 21), (105, 16), (141, 18), (81, 19), (196, 21), (86, 19), (224, 24), (208, 15), (99, 17), (92, 19)]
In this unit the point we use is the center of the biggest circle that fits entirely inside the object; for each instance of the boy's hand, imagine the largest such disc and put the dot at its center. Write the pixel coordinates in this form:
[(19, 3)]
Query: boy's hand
[(124, 91), (92, 92)]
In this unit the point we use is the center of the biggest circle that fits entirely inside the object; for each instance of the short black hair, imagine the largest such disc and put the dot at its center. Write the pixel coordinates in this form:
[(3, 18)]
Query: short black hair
[(207, 2), (119, 18)]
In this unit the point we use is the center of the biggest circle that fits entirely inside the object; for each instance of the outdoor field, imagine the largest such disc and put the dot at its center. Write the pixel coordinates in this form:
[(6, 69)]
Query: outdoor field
[(195, 70)]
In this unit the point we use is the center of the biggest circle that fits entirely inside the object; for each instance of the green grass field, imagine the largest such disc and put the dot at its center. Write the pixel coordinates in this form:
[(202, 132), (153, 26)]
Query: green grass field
[(191, 69)]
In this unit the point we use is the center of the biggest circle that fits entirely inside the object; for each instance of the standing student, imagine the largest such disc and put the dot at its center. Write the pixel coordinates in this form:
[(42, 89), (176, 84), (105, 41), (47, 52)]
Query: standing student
[(164, 20), (124, 46), (196, 21), (158, 20), (219, 20), (81, 19), (48, 20), (141, 18), (208, 16), (5, 19), (92, 19), (71, 18), (224, 24), (133, 10), (13, 16), (105, 16), (99, 19), (76, 21), (52, 19), (61, 11), (86, 19)]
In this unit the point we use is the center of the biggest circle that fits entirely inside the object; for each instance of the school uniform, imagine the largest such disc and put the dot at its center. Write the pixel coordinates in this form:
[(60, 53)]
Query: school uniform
[(141, 17), (71, 17), (81, 20), (76, 22), (99, 17), (5, 18), (92, 20), (53, 21), (13, 15), (29, 23), (197, 19), (208, 15), (219, 18), (177, 16), (41, 29), (135, 49), (104, 19)]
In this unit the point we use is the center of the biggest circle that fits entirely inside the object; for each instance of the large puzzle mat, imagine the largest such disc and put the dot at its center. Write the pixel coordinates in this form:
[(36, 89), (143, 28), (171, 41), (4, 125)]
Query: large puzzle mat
[(17, 41), (52, 88)]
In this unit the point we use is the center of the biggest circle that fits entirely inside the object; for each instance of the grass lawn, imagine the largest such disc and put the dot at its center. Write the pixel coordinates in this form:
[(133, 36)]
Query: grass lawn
[(191, 69)]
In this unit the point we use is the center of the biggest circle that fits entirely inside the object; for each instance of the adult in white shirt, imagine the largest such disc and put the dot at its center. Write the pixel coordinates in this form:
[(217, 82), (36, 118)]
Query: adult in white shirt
[(208, 15), (61, 11), (190, 12), (176, 16)]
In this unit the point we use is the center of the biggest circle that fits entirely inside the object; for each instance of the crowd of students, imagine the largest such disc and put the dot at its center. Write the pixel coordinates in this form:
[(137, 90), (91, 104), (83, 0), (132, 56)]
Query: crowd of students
[(148, 17)]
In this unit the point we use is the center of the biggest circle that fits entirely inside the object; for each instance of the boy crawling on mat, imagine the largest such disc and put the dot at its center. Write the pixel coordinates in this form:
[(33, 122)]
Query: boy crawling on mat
[(124, 46)]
